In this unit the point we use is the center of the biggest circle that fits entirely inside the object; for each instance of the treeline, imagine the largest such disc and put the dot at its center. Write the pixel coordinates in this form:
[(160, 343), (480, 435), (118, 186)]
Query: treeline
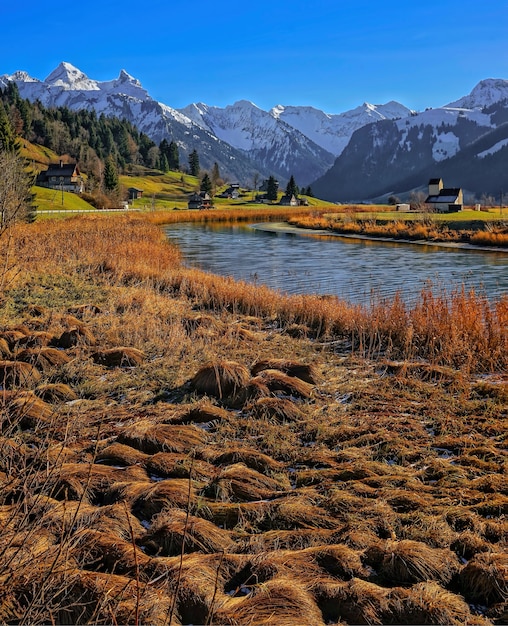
[(88, 138)]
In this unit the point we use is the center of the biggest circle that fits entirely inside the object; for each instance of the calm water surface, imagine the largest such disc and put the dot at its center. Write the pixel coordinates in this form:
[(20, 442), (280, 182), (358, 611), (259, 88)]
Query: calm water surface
[(352, 269)]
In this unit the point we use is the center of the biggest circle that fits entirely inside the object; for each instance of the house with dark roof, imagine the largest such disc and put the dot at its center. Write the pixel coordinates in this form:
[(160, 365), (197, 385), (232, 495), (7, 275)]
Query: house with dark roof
[(289, 200), (135, 193), (200, 200), (444, 199), (62, 176)]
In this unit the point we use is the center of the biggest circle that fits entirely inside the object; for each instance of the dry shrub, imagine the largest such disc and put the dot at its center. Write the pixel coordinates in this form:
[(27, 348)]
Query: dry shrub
[(152, 438), (277, 381), (103, 598), (356, 602), (44, 359), (467, 544), (280, 601), (340, 561), (421, 370), (173, 531), (198, 323), (120, 454), (119, 357), (299, 511), (430, 529), (240, 483), (200, 413), (56, 392), (485, 578), (149, 501), (428, 603), (243, 515), (106, 552), (82, 311), (86, 482), (77, 336), (300, 539), (26, 410), (407, 562), (277, 409), (39, 339), (5, 351), (12, 337), (174, 465), (223, 379), (250, 457), (291, 368), (18, 374)]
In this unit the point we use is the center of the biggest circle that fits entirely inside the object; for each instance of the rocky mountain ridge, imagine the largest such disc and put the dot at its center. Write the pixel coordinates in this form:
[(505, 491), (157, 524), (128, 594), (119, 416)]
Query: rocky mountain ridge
[(365, 153)]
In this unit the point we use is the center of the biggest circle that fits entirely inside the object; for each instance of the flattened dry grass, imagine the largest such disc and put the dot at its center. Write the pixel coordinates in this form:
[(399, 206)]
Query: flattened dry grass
[(322, 485)]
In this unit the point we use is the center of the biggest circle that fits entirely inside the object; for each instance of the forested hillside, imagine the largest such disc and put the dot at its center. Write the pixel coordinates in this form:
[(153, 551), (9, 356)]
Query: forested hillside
[(85, 137)]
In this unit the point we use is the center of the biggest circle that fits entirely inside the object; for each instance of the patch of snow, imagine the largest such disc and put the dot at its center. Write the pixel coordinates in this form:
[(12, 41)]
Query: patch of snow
[(445, 146), (493, 149)]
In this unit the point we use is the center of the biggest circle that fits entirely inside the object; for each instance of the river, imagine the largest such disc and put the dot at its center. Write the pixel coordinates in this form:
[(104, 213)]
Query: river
[(355, 270)]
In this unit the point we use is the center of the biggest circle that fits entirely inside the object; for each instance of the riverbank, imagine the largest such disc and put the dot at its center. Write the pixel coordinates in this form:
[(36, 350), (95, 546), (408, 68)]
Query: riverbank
[(182, 448), (298, 230)]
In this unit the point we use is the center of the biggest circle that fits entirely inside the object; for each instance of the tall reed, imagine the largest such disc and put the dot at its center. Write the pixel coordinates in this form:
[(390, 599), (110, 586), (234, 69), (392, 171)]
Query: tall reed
[(461, 329)]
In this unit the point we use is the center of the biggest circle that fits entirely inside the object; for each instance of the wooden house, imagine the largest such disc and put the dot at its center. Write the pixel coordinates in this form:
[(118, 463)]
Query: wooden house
[(201, 200), (289, 200), (62, 176)]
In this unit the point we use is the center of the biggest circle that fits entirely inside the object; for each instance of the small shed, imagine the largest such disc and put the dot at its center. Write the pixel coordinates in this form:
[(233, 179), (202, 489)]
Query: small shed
[(135, 193)]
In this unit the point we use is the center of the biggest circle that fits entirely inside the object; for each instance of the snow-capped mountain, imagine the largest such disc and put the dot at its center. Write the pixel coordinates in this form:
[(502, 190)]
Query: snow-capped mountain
[(378, 149), (242, 138), (333, 132), (268, 140), (465, 143), (125, 98), (486, 93)]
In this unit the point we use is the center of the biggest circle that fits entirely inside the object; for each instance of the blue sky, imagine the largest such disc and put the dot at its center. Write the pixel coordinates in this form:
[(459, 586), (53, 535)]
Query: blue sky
[(330, 54)]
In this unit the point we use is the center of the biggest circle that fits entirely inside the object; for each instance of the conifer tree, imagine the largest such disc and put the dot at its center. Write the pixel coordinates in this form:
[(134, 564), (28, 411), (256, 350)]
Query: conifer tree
[(163, 163), (194, 163), (173, 157), (206, 184), (110, 175), (7, 136), (291, 189), (271, 189)]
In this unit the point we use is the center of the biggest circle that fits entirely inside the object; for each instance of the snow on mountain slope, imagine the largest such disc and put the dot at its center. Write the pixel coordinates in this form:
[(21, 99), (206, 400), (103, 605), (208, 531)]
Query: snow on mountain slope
[(486, 93), (333, 132), (268, 140), (124, 97)]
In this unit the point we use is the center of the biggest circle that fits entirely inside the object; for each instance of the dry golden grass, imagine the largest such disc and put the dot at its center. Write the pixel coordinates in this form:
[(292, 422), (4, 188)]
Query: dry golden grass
[(221, 380), (325, 485)]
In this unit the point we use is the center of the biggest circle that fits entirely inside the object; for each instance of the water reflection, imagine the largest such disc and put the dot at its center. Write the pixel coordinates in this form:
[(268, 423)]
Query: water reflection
[(352, 269)]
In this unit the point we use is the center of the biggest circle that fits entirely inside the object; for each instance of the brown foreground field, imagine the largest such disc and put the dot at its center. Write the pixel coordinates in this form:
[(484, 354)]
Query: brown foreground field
[(179, 448)]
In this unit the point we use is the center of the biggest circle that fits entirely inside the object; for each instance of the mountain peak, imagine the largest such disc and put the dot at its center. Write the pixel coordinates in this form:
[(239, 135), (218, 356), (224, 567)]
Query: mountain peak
[(69, 77), (125, 77), (485, 93)]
